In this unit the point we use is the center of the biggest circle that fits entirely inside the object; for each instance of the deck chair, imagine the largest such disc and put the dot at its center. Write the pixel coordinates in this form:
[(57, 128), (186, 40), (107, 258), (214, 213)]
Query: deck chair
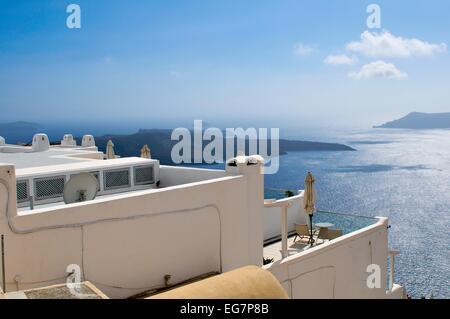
[(302, 231)]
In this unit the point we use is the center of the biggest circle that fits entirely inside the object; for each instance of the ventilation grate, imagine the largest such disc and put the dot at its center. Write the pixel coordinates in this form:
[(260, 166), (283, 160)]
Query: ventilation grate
[(143, 175), (22, 191), (49, 187), (116, 179)]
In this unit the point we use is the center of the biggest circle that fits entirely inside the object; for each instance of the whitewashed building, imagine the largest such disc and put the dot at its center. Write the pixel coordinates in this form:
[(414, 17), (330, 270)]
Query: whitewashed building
[(152, 225)]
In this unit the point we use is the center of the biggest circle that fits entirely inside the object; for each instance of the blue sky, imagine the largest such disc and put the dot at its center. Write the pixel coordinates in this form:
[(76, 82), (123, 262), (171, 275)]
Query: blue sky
[(228, 62)]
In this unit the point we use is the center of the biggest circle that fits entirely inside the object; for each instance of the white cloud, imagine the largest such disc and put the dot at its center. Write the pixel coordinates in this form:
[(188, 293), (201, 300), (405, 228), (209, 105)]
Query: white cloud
[(385, 44), (303, 49), (341, 59), (379, 69)]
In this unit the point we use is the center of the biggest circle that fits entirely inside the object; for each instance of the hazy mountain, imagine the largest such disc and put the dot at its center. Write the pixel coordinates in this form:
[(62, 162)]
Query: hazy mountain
[(418, 120), (161, 144), (19, 131)]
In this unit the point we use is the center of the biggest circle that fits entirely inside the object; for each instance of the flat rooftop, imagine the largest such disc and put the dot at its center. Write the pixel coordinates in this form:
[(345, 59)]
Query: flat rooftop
[(23, 157), (43, 186), (81, 165)]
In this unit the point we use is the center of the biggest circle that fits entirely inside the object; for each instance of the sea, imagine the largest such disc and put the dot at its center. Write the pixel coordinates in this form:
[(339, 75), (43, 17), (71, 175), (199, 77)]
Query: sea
[(400, 174)]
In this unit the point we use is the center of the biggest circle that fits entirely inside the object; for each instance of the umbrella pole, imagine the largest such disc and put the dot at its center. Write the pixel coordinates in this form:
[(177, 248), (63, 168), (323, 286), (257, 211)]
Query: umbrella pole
[(311, 239)]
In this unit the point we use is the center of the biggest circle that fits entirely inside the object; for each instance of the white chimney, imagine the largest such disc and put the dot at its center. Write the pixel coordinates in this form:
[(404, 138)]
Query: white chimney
[(40, 143), (68, 141), (2, 141), (88, 141)]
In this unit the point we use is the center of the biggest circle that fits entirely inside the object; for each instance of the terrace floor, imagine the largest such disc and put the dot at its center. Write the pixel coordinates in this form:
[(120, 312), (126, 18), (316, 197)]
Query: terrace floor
[(274, 250), (345, 222)]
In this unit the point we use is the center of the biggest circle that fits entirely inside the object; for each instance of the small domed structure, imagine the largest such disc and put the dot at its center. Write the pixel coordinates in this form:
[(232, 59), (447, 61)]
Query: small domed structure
[(88, 141), (2, 141), (68, 141), (41, 143)]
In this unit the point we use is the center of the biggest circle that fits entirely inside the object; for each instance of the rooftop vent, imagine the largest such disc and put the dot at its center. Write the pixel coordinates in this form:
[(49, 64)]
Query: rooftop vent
[(40, 143), (88, 141), (68, 141), (49, 187), (22, 191), (2, 141), (111, 178), (143, 175), (114, 179)]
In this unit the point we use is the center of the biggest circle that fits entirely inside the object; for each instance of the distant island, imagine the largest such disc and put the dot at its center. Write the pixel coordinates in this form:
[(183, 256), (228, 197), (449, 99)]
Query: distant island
[(19, 131), (161, 145), (416, 120), (159, 141)]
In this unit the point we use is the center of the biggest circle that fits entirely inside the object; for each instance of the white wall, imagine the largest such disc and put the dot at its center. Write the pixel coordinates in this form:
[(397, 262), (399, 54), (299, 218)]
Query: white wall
[(133, 240), (254, 207), (173, 175), (91, 155), (272, 217), (337, 269)]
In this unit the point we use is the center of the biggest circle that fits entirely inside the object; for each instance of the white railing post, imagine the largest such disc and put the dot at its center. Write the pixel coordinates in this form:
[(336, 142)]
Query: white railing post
[(284, 205), (284, 231), (392, 254)]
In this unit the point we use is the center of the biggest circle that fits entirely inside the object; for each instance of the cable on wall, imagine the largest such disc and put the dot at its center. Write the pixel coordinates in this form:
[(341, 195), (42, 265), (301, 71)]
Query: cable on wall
[(112, 219)]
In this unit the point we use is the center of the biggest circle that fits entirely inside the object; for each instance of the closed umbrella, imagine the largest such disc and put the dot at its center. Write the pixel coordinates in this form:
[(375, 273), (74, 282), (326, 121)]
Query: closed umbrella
[(145, 152), (309, 201), (110, 150)]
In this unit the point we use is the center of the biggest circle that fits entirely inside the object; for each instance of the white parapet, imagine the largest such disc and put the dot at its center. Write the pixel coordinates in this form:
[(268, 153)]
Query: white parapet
[(340, 268), (272, 219)]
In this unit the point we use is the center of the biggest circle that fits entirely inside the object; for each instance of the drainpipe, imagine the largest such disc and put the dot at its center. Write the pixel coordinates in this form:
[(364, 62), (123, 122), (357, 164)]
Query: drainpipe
[(284, 245), (2, 246)]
